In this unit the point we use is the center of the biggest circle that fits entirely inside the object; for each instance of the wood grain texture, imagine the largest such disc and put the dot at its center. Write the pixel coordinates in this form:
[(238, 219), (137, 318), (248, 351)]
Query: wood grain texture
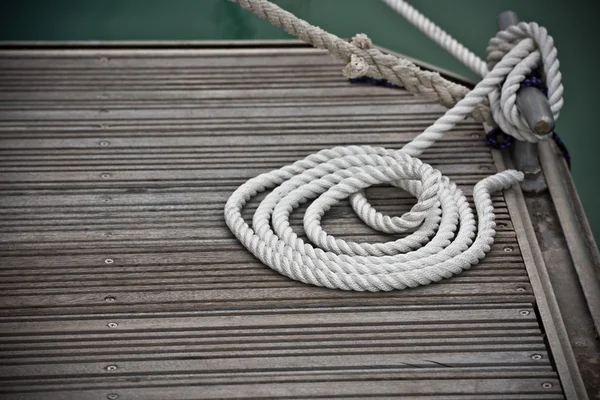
[(119, 277)]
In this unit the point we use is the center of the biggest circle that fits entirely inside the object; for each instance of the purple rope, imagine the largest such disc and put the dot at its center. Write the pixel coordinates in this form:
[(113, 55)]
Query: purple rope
[(497, 139)]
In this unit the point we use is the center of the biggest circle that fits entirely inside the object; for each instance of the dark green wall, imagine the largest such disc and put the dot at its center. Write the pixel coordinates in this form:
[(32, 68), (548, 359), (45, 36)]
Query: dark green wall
[(572, 23)]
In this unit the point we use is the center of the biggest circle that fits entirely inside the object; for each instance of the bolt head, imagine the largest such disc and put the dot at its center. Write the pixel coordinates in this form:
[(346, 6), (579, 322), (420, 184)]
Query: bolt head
[(531, 172)]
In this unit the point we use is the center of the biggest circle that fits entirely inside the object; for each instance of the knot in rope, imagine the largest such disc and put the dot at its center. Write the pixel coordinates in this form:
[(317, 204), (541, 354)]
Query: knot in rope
[(358, 66)]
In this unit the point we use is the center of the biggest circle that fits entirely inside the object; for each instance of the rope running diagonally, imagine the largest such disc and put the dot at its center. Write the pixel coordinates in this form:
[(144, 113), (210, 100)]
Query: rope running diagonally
[(445, 237)]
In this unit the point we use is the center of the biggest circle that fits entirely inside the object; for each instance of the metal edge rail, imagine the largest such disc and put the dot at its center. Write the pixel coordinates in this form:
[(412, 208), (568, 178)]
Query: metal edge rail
[(558, 338), (577, 232)]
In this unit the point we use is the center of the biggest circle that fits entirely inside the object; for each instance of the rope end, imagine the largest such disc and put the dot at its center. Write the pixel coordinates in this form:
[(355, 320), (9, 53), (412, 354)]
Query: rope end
[(356, 68), (362, 41)]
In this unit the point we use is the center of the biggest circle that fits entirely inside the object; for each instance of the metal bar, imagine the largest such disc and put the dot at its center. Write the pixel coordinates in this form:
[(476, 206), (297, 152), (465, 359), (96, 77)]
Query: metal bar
[(584, 266), (536, 110)]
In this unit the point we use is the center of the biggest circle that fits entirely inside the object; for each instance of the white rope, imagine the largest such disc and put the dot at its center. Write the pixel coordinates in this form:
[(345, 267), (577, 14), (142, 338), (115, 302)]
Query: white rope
[(447, 238), (502, 100), (438, 35)]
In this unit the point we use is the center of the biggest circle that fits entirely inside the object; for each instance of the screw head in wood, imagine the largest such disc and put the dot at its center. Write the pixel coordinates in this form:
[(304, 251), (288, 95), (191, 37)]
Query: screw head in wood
[(112, 396), (536, 357), (508, 249), (109, 261), (109, 299), (547, 385), (110, 367), (112, 324), (524, 312)]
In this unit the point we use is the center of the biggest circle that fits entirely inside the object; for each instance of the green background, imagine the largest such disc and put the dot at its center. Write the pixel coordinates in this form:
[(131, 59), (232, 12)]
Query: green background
[(573, 24)]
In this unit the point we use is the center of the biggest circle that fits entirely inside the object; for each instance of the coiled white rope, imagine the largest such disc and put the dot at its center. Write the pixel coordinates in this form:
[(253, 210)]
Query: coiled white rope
[(447, 239)]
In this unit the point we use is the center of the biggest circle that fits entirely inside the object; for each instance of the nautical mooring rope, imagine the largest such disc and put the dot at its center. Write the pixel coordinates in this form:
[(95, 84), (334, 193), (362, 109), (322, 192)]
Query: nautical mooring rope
[(446, 237)]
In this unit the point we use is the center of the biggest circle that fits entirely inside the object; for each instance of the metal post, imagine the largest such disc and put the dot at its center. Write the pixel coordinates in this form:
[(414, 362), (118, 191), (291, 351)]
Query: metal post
[(536, 110)]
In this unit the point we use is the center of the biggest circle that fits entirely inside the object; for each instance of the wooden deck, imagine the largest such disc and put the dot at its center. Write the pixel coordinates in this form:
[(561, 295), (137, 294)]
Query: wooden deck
[(121, 281)]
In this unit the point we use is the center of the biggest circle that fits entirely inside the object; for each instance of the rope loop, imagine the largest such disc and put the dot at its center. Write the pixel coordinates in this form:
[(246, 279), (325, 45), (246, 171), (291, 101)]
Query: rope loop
[(532, 49)]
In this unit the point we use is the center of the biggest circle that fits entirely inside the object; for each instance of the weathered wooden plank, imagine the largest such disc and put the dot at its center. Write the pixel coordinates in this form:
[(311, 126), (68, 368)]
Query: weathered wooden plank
[(282, 363), (124, 258), (250, 95), (375, 339), (172, 59), (280, 319), (182, 293), (506, 373), (19, 278), (102, 306), (181, 126), (239, 112), (443, 389), (228, 140)]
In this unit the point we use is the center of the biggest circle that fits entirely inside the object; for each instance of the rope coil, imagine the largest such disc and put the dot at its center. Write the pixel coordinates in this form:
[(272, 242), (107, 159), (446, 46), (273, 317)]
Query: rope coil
[(447, 237)]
